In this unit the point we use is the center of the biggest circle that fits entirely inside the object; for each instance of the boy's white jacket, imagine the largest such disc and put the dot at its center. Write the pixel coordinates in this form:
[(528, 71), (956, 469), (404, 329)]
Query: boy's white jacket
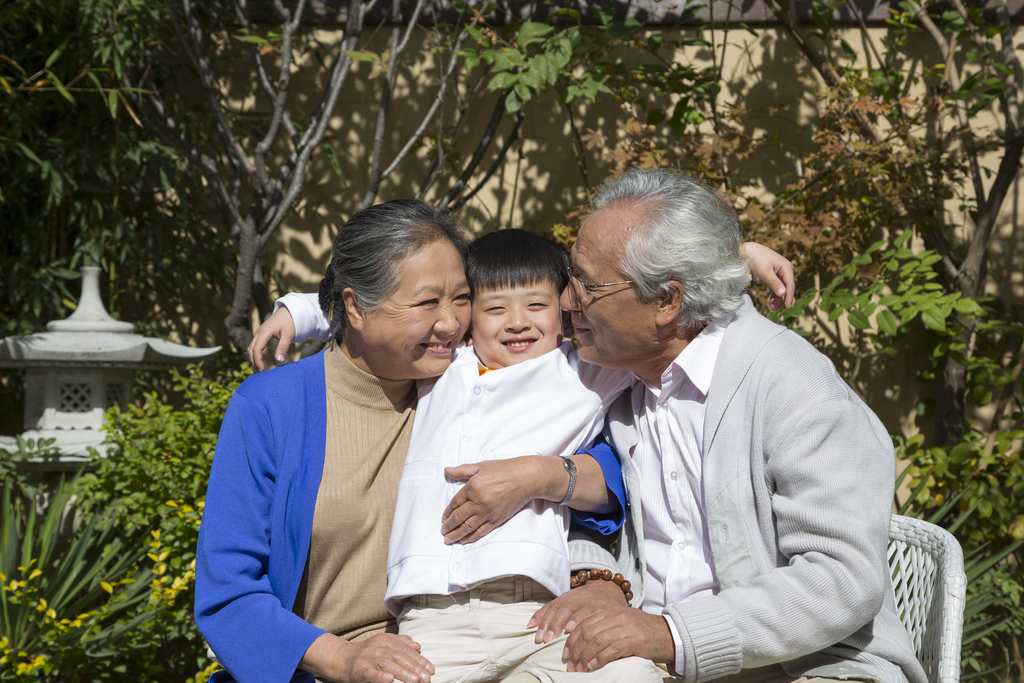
[(551, 405)]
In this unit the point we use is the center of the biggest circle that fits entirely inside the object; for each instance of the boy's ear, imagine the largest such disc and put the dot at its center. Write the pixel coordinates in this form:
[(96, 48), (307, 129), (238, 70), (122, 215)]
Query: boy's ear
[(355, 318), (670, 305)]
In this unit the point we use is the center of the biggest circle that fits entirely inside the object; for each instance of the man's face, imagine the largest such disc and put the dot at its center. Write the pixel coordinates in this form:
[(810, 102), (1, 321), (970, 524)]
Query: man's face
[(613, 327)]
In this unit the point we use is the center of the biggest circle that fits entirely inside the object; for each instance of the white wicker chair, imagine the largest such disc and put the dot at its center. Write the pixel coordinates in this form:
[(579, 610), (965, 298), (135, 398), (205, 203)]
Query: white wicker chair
[(928, 582)]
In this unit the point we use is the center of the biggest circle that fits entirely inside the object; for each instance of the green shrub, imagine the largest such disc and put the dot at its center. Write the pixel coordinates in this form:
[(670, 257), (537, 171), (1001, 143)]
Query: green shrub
[(124, 608), (64, 597)]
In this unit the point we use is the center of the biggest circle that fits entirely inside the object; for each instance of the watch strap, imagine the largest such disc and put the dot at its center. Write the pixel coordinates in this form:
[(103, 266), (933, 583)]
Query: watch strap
[(570, 467)]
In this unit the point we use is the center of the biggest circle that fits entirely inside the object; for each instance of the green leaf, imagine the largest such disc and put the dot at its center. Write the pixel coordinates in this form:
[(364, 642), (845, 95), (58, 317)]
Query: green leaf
[(531, 79), (503, 80), (543, 65), (361, 55), (982, 395), (887, 322), (605, 16), (532, 32), (508, 59), (966, 306), (332, 157), (565, 12), (59, 86), (933, 319), (512, 103), (858, 319), (55, 55), (561, 51), (259, 41), (27, 152)]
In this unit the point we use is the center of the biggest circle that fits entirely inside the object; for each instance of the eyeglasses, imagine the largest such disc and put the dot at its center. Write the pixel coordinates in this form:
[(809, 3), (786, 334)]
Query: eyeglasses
[(583, 290)]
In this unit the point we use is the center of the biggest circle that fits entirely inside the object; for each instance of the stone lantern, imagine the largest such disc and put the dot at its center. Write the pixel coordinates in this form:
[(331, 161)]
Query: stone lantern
[(80, 367)]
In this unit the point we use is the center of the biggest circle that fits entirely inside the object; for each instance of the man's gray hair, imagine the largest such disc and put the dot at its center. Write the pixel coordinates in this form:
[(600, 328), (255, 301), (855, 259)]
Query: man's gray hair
[(370, 247), (686, 233)]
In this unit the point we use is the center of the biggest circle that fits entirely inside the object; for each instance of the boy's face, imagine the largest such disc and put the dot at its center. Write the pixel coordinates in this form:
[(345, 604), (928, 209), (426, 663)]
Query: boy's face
[(514, 324)]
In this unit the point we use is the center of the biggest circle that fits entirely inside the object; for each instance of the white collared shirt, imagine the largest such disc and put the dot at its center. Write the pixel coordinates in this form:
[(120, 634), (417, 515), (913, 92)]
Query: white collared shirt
[(550, 405), (668, 457)]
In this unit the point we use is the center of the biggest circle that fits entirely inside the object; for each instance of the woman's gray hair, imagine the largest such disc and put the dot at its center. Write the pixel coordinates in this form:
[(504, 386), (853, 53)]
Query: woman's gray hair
[(371, 246), (686, 233)]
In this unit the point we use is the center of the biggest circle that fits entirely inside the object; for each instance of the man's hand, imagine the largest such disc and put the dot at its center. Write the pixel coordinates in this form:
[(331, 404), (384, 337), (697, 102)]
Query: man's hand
[(494, 492), (383, 658), (278, 326), (572, 607), (616, 633), (774, 270)]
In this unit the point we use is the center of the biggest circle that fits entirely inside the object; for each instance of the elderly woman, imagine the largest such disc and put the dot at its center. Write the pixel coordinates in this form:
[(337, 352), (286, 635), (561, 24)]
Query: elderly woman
[(291, 563)]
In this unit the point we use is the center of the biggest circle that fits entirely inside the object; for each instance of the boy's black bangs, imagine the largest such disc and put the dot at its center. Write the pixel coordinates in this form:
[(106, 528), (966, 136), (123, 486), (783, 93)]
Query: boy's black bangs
[(514, 258)]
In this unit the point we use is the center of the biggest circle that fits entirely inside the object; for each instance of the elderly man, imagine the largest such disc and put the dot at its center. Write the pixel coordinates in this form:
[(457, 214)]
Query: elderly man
[(761, 485)]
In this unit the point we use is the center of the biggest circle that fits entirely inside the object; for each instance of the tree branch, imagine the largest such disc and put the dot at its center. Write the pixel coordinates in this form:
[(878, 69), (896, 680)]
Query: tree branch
[(463, 107), (428, 117), (269, 189), (242, 13), (198, 42), (820, 64), (512, 137), (314, 132), (481, 148), (385, 100)]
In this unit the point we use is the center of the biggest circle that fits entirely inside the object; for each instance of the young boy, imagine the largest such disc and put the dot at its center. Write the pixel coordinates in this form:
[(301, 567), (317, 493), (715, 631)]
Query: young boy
[(518, 389)]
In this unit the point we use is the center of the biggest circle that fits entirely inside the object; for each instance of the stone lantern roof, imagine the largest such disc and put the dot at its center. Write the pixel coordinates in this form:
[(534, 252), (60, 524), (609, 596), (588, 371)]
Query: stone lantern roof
[(80, 367)]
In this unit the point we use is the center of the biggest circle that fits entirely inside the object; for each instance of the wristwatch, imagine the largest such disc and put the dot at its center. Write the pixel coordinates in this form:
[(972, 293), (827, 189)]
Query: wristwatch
[(570, 467)]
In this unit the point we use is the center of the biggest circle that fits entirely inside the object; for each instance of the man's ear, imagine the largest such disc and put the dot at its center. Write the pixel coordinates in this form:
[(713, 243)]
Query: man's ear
[(670, 305), (354, 317)]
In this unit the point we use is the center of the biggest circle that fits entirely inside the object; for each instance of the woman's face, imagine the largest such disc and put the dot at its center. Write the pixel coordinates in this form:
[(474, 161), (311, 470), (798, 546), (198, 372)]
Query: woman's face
[(414, 333)]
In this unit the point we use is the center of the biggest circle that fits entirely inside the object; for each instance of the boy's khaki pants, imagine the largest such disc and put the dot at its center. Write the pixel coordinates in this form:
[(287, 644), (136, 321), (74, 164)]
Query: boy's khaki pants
[(480, 635)]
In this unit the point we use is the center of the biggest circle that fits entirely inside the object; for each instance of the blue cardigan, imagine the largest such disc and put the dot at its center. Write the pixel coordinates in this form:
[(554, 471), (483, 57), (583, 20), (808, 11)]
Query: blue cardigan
[(258, 519)]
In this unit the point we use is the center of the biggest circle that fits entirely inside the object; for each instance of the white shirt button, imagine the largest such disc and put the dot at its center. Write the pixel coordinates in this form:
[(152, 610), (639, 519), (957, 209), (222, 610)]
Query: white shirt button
[(476, 390), (456, 566), (673, 476), (467, 438), (680, 546)]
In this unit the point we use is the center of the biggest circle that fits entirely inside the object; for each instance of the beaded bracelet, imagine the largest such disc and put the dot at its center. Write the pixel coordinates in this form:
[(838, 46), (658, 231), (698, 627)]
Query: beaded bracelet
[(585, 575)]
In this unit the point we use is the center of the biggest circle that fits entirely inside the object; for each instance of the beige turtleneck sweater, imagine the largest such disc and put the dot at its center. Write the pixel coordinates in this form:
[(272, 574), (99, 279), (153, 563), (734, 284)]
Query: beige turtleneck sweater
[(369, 421)]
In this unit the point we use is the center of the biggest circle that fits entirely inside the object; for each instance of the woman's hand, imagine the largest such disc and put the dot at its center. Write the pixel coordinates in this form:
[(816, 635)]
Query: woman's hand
[(278, 326), (382, 658), (774, 270)]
